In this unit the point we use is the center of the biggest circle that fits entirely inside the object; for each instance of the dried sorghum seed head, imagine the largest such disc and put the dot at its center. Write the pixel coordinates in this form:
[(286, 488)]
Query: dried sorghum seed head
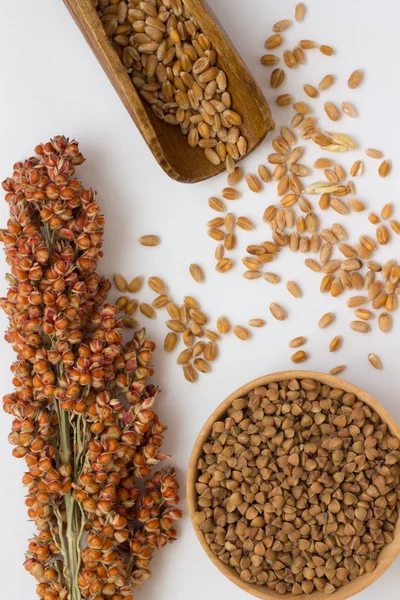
[(82, 408)]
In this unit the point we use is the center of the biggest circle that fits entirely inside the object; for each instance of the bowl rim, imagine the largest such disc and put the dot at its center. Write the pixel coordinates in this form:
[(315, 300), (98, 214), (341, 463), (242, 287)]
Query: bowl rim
[(389, 552)]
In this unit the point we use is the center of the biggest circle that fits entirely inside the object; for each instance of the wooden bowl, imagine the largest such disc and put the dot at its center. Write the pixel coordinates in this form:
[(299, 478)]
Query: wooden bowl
[(387, 555), (167, 143)]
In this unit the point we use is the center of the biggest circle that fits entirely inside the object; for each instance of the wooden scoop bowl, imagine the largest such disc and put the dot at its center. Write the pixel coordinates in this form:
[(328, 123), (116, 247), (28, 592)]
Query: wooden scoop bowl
[(167, 143)]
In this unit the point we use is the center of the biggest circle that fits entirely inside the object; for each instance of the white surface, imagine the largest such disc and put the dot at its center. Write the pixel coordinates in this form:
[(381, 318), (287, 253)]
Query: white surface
[(51, 84)]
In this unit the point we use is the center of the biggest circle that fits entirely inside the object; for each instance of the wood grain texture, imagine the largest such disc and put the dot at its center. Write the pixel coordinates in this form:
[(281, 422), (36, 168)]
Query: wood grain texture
[(167, 143), (388, 554)]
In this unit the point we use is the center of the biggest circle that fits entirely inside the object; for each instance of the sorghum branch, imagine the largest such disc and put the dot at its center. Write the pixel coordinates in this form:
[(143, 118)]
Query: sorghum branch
[(83, 418)]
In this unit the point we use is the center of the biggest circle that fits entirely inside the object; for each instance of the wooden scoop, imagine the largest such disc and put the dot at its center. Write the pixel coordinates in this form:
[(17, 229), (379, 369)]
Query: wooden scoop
[(167, 143)]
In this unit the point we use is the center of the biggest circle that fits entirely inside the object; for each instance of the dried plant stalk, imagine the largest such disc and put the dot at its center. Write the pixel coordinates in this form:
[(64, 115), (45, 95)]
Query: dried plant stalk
[(82, 408)]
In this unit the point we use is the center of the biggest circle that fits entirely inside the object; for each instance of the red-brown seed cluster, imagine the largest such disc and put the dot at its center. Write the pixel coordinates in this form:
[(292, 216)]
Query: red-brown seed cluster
[(82, 409)]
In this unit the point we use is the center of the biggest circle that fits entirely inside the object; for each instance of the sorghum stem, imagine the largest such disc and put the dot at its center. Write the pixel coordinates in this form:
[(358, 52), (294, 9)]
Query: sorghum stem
[(73, 541), (65, 438), (73, 513)]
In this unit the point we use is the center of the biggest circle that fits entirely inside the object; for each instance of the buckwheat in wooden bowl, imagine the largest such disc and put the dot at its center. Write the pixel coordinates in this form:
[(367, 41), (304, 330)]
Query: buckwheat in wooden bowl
[(294, 486)]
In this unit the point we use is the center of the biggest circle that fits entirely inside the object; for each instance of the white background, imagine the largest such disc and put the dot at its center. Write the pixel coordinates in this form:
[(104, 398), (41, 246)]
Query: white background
[(51, 84)]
